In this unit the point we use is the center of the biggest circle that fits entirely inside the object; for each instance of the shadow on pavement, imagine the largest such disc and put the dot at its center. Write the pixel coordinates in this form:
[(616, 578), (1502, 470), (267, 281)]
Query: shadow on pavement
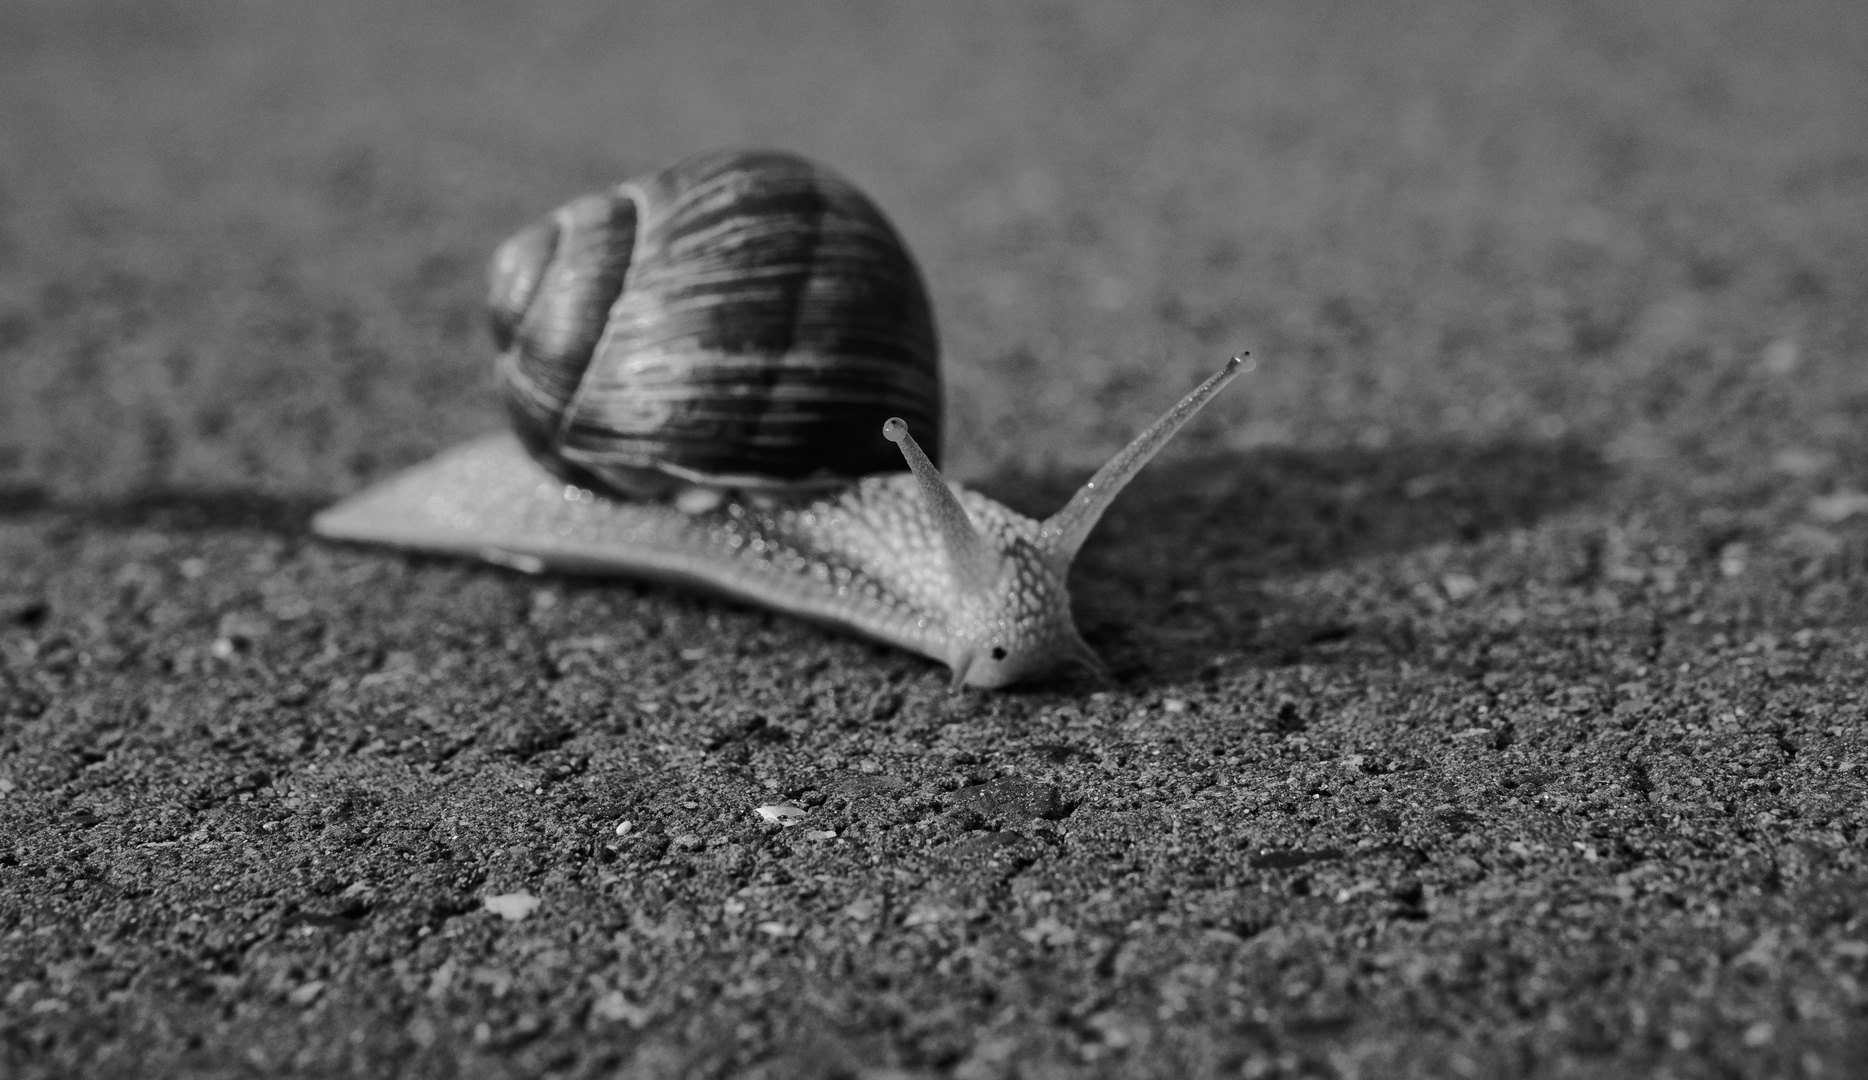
[(1172, 575), (174, 510)]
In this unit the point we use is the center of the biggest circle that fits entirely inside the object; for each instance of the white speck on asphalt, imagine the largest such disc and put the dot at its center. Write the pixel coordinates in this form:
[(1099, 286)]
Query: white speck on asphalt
[(781, 813), (512, 906)]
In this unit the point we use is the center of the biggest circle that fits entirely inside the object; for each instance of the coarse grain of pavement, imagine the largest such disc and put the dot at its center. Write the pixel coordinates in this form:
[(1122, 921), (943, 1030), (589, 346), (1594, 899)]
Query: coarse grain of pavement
[(1488, 693)]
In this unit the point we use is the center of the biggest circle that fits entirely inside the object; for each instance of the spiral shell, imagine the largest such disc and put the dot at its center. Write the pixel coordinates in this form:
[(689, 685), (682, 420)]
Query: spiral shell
[(739, 319)]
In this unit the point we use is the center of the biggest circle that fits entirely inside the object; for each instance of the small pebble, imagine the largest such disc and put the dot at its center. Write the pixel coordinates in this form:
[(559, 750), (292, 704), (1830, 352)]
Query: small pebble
[(1801, 463), (512, 906), (623, 827), (782, 813), (1838, 507), (1781, 357), (614, 1006)]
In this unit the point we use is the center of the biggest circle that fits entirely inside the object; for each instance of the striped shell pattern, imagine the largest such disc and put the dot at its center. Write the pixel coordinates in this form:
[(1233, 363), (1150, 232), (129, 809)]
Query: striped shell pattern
[(740, 319)]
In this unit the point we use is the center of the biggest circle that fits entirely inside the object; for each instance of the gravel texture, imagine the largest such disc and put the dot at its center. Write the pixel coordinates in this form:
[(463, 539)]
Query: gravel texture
[(1488, 663)]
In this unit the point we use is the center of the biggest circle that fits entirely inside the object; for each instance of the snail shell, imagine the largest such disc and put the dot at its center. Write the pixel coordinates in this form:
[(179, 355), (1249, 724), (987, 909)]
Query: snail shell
[(742, 319)]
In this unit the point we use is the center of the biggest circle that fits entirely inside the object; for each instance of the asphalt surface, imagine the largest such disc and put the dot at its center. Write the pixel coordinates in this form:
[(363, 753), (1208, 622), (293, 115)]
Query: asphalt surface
[(1488, 663)]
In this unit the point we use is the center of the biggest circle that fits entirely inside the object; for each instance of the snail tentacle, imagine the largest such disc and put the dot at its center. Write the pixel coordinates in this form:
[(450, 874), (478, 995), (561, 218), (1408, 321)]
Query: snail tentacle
[(975, 565), (1063, 533)]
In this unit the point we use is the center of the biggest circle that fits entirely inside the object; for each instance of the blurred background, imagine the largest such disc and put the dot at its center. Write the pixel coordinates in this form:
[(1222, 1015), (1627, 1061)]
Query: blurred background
[(242, 244)]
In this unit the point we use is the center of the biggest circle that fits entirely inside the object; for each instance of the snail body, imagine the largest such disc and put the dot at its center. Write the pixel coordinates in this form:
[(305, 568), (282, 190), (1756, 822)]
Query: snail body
[(700, 368)]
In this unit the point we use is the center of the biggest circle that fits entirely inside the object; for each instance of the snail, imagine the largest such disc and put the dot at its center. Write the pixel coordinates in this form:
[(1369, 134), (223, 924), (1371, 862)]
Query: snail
[(714, 376)]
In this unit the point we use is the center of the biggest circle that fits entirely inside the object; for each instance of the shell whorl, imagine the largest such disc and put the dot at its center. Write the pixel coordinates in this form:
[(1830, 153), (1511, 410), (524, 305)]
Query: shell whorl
[(742, 319)]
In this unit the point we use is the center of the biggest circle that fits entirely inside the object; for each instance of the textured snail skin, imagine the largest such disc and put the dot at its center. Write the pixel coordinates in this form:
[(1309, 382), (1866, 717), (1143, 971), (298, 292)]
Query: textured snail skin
[(865, 559), (879, 557)]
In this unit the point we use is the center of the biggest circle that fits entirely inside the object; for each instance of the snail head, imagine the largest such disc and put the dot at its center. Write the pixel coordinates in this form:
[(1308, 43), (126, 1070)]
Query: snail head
[(1010, 615)]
